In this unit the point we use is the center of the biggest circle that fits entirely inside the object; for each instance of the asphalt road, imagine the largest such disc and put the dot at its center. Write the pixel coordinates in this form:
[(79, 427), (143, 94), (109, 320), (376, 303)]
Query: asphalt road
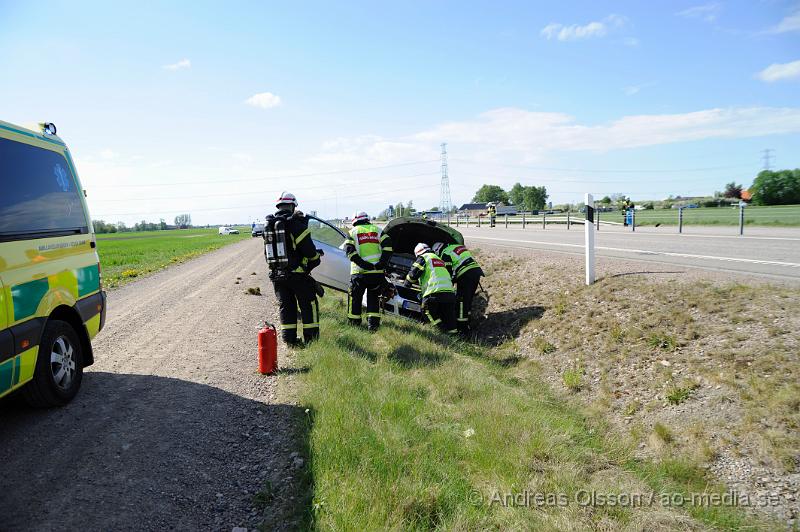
[(763, 252)]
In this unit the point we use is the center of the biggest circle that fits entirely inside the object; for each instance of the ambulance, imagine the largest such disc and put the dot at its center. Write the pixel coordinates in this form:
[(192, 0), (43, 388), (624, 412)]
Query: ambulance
[(52, 301)]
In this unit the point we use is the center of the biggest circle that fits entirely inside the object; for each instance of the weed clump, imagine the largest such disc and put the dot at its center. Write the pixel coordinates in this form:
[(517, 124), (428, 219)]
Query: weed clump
[(662, 432), (254, 291), (543, 346), (573, 378), (662, 341), (678, 394)]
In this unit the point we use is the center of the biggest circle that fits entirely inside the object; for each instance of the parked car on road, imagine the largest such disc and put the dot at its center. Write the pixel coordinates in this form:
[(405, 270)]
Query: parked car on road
[(225, 230), (334, 271), (52, 301), (257, 230)]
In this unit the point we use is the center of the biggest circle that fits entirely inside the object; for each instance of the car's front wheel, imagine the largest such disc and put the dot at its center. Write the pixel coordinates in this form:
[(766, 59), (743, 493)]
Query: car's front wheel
[(59, 367)]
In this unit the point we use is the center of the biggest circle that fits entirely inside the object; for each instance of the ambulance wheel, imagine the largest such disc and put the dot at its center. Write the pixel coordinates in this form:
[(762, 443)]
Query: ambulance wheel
[(59, 367)]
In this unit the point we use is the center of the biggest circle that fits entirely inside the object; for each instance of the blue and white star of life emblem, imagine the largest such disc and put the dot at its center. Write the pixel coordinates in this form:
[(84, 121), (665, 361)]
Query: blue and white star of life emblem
[(61, 177)]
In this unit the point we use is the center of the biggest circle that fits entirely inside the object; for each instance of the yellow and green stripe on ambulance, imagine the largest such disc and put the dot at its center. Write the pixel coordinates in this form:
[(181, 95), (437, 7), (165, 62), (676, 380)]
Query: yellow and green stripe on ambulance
[(51, 298)]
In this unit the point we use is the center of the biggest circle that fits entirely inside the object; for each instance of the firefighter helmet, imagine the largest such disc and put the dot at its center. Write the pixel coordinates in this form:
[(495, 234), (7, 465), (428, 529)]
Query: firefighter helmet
[(421, 249), (360, 216), (438, 247), (286, 198)]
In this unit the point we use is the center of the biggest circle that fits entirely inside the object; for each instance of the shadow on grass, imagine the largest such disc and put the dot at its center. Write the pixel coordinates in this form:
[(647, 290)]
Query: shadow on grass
[(352, 346), (499, 327), (410, 357)]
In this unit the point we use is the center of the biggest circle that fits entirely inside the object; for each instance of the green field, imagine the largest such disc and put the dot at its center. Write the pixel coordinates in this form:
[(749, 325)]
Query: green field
[(783, 215), (412, 430), (127, 256), (777, 216)]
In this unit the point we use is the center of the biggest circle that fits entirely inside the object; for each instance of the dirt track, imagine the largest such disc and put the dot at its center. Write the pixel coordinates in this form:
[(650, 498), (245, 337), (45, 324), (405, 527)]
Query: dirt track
[(173, 427)]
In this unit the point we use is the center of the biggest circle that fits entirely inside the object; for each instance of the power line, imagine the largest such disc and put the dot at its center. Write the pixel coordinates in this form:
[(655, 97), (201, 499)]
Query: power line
[(252, 192), (261, 178), (623, 171), (257, 206), (557, 180)]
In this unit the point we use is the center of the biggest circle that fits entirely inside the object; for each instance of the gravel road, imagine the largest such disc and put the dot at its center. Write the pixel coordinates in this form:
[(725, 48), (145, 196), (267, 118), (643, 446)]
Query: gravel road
[(173, 428)]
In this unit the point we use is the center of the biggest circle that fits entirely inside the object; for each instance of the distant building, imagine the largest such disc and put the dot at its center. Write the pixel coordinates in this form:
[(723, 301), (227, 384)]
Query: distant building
[(472, 209)]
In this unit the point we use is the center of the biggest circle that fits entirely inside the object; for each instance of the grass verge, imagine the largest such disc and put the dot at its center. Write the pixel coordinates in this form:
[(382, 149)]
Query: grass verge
[(128, 256), (412, 430)]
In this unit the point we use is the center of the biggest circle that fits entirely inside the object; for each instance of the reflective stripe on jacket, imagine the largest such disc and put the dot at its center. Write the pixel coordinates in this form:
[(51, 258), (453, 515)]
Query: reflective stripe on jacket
[(460, 259), (435, 277)]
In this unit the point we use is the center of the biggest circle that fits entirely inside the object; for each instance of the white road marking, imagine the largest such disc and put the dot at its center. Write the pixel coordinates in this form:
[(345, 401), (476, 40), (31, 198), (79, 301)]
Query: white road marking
[(647, 252)]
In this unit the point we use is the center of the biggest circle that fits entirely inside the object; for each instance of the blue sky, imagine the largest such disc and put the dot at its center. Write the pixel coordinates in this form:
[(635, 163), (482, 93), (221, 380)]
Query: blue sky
[(215, 109)]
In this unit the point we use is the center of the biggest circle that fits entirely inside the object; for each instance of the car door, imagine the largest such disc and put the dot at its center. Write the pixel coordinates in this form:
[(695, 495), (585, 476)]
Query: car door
[(334, 270)]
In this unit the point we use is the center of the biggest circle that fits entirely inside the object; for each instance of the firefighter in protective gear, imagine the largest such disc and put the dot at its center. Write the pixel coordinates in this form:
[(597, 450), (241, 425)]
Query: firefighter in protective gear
[(466, 274), (369, 252), (491, 211), (291, 255), (435, 288)]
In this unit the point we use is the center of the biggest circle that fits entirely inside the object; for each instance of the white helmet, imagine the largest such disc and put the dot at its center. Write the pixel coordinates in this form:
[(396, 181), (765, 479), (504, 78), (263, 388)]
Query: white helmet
[(421, 249), (438, 247), (286, 198), (360, 217)]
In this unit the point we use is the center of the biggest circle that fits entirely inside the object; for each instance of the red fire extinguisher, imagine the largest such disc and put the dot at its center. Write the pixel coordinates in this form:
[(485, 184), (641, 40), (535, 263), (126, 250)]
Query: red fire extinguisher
[(267, 350)]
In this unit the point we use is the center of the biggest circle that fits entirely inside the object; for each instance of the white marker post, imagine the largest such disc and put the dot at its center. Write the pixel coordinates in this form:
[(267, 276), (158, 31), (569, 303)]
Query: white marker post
[(588, 228)]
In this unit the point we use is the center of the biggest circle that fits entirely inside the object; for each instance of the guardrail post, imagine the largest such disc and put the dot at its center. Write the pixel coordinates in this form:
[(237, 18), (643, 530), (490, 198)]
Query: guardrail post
[(479, 220), (680, 220), (589, 238), (598, 220), (544, 220), (506, 220), (523, 220), (741, 218), (633, 220), (567, 220)]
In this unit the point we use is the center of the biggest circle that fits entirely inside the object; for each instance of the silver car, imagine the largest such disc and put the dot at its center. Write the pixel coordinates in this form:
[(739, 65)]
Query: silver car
[(334, 271)]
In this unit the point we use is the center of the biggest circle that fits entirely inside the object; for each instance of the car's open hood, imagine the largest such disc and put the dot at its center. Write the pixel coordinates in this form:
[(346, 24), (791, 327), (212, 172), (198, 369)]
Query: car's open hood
[(406, 233)]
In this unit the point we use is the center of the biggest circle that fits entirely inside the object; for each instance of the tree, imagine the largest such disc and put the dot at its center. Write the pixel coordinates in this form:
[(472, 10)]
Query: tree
[(183, 221), (606, 200), (732, 190), (776, 188), (490, 193), (517, 195), (102, 227), (535, 198)]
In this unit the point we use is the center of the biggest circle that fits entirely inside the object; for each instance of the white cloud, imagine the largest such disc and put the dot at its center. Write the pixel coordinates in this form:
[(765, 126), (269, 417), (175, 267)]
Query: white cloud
[(630, 41), (574, 32), (780, 71), (789, 23), (242, 158), (183, 63), (630, 90), (108, 154), (706, 12), (521, 136), (264, 100)]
